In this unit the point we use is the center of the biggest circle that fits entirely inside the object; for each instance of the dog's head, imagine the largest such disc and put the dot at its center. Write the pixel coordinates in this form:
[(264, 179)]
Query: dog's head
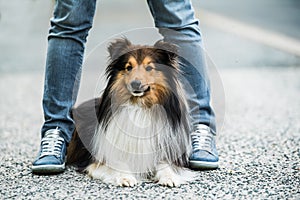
[(142, 74)]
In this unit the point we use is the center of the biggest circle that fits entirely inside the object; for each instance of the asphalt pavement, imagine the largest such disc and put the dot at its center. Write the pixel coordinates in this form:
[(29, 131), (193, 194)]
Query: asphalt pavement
[(257, 95)]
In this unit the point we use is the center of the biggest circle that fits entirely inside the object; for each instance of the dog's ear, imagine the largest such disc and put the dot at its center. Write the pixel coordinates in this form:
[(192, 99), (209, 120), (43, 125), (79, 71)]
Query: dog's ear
[(118, 47), (169, 49)]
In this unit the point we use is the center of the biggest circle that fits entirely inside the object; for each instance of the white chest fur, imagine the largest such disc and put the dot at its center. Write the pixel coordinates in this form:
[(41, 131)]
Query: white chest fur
[(134, 139)]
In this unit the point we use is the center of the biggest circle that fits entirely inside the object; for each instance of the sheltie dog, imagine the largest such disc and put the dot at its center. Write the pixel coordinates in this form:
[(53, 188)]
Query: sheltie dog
[(139, 128)]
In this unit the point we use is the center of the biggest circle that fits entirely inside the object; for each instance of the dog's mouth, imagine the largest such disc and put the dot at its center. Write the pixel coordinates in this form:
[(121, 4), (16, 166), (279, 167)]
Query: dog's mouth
[(141, 92)]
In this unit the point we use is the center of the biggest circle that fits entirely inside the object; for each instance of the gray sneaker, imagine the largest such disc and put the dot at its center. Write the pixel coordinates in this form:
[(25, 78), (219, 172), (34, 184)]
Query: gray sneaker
[(204, 155), (52, 155)]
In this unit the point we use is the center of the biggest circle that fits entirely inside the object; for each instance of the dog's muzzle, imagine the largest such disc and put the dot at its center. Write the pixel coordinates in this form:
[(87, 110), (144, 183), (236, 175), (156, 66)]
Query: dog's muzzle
[(137, 89)]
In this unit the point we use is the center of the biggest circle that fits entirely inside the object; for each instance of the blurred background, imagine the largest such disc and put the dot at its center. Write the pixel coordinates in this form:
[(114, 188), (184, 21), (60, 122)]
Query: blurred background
[(226, 27), (237, 34)]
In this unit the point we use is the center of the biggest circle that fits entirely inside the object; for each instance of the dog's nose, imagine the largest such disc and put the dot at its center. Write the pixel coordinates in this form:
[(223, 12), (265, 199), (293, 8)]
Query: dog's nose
[(136, 84)]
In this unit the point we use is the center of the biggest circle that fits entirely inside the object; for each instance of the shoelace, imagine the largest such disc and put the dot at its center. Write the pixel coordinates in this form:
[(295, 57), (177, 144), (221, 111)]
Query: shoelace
[(51, 143), (202, 138)]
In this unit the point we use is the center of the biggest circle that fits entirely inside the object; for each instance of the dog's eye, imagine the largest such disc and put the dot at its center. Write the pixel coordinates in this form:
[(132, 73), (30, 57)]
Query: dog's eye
[(149, 68), (129, 68)]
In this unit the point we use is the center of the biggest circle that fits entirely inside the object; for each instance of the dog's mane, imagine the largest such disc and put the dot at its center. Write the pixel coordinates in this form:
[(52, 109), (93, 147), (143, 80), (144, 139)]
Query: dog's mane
[(173, 145), (173, 103)]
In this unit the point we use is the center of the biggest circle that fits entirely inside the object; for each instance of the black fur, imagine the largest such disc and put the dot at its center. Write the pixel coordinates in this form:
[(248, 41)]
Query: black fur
[(97, 112)]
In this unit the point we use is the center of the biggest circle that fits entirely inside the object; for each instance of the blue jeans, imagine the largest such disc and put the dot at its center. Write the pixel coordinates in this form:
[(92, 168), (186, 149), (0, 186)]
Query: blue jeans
[(70, 25)]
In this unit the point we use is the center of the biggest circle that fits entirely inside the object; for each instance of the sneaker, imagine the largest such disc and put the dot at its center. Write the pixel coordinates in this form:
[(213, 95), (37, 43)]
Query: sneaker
[(204, 155), (52, 155)]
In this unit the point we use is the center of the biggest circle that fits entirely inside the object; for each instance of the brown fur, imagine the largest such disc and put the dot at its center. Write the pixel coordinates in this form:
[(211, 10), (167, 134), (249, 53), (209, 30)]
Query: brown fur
[(143, 76)]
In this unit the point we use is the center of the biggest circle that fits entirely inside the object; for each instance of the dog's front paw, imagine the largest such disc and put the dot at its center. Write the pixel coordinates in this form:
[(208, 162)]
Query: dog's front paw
[(170, 181), (111, 176), (126, 180), (166, 176)]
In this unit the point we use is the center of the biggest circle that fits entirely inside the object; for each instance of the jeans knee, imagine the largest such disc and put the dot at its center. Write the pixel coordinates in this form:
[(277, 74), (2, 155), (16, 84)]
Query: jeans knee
[(176, 16), (72, 19)]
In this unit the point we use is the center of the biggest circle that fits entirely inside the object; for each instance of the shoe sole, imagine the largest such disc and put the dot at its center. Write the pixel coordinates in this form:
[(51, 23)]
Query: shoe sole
[(48, 169), (202, 165)]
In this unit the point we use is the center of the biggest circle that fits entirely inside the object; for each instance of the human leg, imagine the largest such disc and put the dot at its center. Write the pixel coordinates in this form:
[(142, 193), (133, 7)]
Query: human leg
[(67, 36), (177, 23)]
